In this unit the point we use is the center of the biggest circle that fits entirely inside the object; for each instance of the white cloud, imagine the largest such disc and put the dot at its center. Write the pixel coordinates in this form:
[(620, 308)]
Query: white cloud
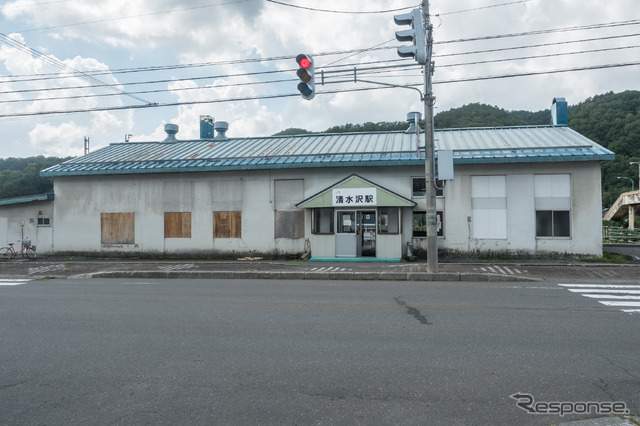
[(60, 140), (124, 34)]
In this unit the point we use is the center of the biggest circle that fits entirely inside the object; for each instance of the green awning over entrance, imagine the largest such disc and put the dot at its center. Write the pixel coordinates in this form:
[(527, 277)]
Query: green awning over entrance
[(355, 191)]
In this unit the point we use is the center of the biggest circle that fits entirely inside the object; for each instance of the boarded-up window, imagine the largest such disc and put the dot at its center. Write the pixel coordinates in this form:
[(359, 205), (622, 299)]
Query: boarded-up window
[(177, 225), (227, 224), (489, 207), (117, 228), (289, 221), (289, 224)]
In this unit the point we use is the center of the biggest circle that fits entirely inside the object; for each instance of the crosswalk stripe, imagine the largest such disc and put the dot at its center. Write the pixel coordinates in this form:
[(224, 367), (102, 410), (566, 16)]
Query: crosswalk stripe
[(601, 290), (632, 304), (611, 296), (599, 286), (615, 295)]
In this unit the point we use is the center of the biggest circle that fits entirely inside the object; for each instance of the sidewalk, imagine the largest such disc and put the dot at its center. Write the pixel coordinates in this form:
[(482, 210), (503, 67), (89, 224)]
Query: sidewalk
[(333, 270)]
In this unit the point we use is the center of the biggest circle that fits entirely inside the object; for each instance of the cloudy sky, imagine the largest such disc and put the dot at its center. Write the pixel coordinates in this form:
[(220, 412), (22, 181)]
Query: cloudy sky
[(127, 67)]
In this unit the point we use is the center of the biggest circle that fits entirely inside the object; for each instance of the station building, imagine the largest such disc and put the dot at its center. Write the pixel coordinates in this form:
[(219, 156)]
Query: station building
[(521, 190)]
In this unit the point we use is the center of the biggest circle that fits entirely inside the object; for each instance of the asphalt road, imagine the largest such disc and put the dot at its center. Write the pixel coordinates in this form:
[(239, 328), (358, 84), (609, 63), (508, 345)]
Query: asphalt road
[(311, 352)]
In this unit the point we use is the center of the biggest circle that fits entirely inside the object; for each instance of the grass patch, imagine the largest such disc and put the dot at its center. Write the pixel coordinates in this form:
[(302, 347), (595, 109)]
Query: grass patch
[(608, 258), (500, 257)]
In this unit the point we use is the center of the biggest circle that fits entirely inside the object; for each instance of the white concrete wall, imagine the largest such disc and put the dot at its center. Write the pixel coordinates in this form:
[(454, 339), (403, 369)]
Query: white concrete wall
[(12, 216), (80, 200), (586, 223)]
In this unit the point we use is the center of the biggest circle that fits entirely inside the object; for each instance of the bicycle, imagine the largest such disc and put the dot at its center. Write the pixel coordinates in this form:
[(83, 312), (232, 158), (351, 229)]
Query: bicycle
[(7, 253)]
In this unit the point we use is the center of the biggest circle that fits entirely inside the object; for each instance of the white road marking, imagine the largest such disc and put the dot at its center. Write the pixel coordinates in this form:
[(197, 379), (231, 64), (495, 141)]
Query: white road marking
[(614, 295), (9, 281)]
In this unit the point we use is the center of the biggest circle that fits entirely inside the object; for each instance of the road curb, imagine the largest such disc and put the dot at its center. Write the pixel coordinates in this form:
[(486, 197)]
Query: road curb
[(309, 275)]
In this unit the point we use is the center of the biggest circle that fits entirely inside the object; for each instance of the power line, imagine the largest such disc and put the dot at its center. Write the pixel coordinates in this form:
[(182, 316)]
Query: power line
[(56, 63), (100, 21), (548, 55), (362, 71), (57, 76), (262, 97), (210, 77), (549, 31), (340, 11), (529, 46), (532, 73), (483, 7), (401, 64), (22, 6), (353, 52)]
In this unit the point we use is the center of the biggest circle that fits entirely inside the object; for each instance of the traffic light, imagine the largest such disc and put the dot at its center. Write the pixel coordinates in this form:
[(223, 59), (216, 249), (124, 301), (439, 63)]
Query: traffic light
[(307, 85), (416, 35)]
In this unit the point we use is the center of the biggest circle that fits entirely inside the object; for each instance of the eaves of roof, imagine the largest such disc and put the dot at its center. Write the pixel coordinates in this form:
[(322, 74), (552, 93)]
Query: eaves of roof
[(26, 199)]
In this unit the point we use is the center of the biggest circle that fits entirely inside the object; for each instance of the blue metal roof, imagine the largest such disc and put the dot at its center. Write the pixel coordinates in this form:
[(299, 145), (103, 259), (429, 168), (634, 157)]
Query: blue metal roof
[(470, 146), (26, 199)]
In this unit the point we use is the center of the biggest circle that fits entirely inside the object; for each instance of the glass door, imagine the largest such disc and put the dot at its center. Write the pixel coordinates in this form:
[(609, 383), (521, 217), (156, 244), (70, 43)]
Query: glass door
[(367, 231), (346, 235)]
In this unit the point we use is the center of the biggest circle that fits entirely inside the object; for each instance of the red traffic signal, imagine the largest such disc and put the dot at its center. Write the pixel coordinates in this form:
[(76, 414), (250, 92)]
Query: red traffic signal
[(304, 62), (306, 73)]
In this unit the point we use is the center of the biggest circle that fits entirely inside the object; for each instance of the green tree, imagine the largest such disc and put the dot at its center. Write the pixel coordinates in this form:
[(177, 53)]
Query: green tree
[(21, 176)]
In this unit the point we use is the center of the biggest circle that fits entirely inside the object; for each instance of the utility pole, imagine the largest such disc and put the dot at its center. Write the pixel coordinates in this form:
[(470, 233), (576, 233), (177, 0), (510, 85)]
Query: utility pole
[(429, 151), (421, 36)]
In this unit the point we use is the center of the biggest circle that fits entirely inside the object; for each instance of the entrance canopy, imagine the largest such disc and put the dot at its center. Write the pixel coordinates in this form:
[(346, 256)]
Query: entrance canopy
[(357, 192)]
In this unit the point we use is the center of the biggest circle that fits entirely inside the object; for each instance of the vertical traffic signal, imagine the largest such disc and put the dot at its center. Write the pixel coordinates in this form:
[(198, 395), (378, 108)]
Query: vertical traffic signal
[(307, 85), (416, 35)]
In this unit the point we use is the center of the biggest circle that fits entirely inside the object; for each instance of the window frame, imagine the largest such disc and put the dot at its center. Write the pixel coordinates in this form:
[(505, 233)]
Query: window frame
[(439, 187), (552, 194), (397, 220), (554, 227), (439, 233), (414, 213), (314, 217)]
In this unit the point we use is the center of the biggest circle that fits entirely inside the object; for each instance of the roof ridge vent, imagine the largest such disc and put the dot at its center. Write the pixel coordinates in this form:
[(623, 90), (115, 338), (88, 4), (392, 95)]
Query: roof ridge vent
[(221, 127), (414, 120), (171, 130)]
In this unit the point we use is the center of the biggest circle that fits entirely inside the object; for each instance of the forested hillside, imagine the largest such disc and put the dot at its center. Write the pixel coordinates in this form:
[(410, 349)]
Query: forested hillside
[(481, 115), (613, 121), (21, 176)]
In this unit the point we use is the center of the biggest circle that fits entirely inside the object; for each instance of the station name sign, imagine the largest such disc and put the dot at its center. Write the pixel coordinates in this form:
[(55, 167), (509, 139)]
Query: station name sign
[(354, 197)]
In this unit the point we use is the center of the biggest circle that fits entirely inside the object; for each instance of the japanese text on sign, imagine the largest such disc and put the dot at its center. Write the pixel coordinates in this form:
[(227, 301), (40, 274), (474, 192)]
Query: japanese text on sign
[(354, 197)]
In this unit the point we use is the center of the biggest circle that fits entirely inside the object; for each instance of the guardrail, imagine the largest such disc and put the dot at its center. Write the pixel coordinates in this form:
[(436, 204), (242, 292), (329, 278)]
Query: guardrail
[(618, 235)]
